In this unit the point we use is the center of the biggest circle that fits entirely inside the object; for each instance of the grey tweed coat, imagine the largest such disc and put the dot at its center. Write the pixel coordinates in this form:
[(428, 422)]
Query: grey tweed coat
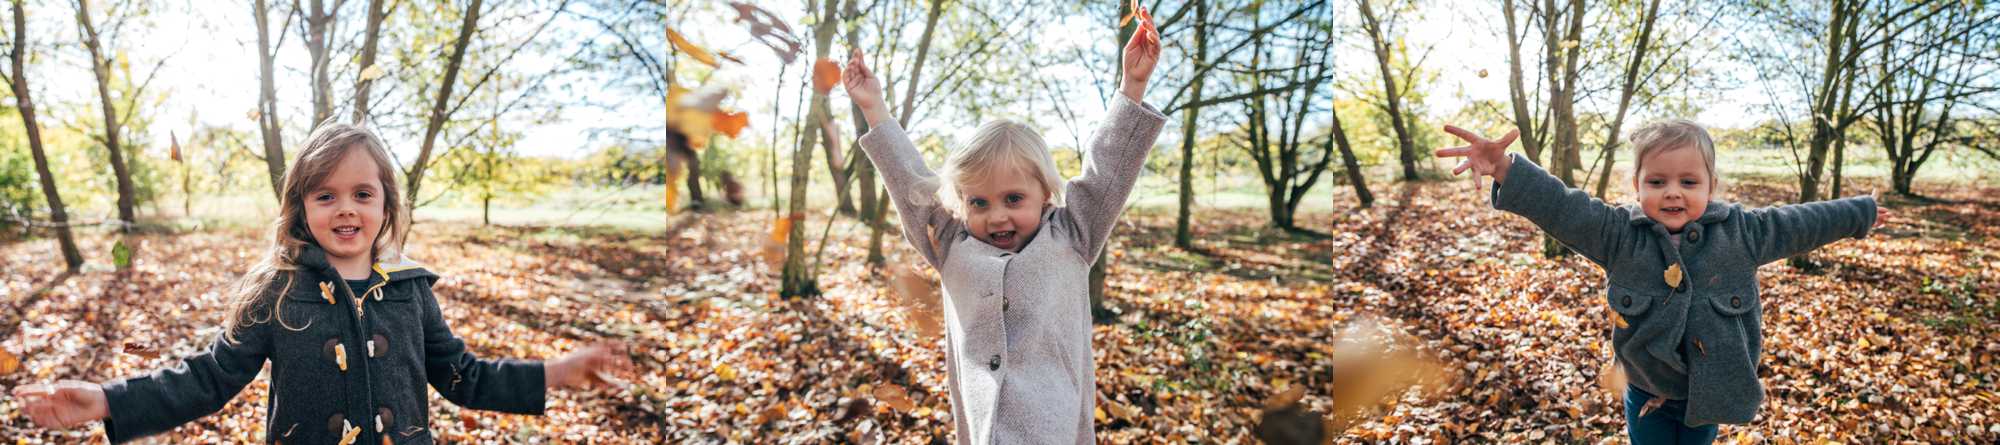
[(1018, 324)]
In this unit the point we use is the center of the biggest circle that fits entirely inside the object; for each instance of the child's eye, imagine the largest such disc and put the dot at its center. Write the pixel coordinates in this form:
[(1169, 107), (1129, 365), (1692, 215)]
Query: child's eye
[(1014, 199), (978, 202), (1690, 182), (323, 197), (1655, 182), (363, 195)]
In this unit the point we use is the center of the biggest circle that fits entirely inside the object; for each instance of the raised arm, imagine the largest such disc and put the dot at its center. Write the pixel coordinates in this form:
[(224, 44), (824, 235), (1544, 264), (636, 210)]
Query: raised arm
[(1118, 150), (912, 185), (1783, 231), (1583, 223)]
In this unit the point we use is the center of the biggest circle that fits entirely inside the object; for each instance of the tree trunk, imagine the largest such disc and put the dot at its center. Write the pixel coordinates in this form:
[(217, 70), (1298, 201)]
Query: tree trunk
[(370, 39), (438, 114), (267, 103), (318, 39), (1524, 119), (24, 102), (1405, 148), (1625, 93), (101, 68), (1183, 234), (1347, 160), (837, 168), (798, 282)]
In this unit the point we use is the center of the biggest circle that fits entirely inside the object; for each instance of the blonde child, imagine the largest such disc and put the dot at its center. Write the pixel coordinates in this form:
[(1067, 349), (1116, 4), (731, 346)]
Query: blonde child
[(1681, 270), (1014, 245), (350, 327)]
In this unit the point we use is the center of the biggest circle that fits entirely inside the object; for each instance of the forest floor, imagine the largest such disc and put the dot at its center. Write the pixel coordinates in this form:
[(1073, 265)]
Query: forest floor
[(1892, 338)]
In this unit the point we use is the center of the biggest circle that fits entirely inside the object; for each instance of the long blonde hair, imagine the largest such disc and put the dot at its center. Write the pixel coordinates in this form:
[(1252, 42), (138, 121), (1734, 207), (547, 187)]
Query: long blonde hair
[(258, 289)]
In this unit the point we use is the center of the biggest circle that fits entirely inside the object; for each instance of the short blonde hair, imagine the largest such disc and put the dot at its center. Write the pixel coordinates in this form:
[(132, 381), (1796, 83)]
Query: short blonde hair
[(999, 144), (1668, 134)]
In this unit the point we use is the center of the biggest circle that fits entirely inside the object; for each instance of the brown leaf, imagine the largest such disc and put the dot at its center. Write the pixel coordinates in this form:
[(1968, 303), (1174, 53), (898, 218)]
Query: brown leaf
[(826, 74)]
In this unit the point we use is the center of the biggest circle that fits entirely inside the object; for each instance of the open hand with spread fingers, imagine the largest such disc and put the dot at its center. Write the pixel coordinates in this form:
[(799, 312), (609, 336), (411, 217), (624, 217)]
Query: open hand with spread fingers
[(1482, 156)]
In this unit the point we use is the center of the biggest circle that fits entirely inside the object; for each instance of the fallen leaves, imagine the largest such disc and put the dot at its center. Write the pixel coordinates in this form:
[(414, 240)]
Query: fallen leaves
[(1207, 342), (8, 362)]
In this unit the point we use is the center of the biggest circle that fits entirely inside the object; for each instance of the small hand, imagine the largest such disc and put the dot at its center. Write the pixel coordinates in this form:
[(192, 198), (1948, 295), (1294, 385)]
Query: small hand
[(63, 405), (1482, 156), (863, 88), (591, 365), (1142, 53), (1882, 215)]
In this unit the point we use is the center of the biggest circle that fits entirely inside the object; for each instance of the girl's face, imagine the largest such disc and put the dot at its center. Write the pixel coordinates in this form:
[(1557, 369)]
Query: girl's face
[(344, 212), (1004, 207), (1673, 186)]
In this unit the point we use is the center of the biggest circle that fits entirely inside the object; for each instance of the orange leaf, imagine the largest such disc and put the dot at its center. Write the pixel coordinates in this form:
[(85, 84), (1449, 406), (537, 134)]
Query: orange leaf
[(731, 123), (684, 46), (8, 362), (176, 153), (826, 74), (673, 192), (895, 397)]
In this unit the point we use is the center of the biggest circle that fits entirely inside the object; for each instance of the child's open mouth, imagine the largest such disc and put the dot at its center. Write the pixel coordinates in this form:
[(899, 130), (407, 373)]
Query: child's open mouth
[(347, 232), (1673, 211), (1004, 238)]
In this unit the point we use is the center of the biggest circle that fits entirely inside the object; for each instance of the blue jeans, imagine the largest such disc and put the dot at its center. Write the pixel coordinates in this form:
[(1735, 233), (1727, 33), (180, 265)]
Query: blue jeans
[(1663, 425)]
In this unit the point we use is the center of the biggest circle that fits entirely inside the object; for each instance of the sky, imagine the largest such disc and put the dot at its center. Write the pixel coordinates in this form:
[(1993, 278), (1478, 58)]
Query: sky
[(210, 74)]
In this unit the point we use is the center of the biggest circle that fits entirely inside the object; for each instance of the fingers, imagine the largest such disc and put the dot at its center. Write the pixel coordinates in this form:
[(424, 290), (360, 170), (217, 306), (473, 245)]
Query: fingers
[(1463, 135), (1453, 152), (1462, 165), (1509, 138)]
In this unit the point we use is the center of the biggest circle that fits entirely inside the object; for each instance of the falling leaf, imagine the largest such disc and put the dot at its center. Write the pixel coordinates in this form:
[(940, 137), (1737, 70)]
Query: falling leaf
[(372, 72), (918, 296), (1482, 73), (699, 54), (174, 152), (731, 123), (1567, 44), (1611, 378), (137, 349), (894, 396), (673, 189), (8, 362), (826, 74)]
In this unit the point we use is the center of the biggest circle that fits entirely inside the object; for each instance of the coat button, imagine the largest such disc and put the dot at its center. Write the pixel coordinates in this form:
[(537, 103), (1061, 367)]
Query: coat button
[(1694, 236), (993, 364), (338, 424), (1003, 304), (1626, 301), (384, 419), (1736, 302)]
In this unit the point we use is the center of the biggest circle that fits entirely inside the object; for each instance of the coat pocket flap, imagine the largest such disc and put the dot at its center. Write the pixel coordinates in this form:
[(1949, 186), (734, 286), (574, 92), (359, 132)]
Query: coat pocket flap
[(1627, 301), (1734, 302)]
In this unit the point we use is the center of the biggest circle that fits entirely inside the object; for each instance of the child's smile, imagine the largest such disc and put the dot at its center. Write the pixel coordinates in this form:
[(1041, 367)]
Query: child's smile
[(345, 213), (1673, 186), (1005, 208)]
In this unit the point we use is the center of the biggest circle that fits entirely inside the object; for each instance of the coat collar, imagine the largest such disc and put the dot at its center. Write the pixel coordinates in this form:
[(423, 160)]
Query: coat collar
[(313, 258)]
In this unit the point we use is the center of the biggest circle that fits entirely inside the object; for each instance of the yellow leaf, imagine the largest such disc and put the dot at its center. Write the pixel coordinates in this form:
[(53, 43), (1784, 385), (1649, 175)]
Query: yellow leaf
[(8, 362), (682, 44), (895, 397), (1674, 276), (725, 372), (372, 72)]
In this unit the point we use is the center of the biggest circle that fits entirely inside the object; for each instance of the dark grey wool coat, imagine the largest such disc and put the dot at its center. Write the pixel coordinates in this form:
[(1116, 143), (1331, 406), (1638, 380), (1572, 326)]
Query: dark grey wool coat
[(1699, 341), (358, 360)]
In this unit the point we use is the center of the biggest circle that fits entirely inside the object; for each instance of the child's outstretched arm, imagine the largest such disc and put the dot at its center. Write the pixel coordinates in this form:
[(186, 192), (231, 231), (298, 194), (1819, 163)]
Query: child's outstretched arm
[(153, 403), (505, 385), (1118, 150), (1582, 223), (1784, 231), (912, 185)]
